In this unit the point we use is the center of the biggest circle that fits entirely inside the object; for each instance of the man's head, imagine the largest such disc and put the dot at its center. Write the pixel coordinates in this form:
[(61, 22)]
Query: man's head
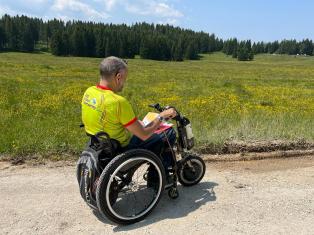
[(113, 71)]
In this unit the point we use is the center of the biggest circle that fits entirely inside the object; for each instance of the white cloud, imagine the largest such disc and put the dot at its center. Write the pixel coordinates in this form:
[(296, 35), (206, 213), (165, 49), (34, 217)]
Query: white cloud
[(165, 10), (157, 8), (154, 8), (161, 11), (64, 6), (7, 10), (109, 4)]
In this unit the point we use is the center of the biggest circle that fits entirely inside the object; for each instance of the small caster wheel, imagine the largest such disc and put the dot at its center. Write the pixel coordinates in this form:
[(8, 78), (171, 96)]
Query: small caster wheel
[(173, 193)]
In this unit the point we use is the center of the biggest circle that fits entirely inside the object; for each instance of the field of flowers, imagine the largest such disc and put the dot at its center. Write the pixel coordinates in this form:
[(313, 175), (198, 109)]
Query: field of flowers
[(269, 98)]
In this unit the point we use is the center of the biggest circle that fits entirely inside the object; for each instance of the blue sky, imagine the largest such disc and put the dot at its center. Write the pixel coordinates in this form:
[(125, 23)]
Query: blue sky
[(245, 19)]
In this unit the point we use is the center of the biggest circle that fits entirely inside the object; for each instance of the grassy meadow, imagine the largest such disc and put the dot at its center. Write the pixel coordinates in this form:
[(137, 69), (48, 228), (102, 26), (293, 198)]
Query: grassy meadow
[(269, 98)]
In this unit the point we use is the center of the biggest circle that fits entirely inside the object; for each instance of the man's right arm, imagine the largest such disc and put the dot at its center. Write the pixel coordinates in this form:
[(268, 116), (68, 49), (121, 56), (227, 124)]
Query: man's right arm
[(144, 133)]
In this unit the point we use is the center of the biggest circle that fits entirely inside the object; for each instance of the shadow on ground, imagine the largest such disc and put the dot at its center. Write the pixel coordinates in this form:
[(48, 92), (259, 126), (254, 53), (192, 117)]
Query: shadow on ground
[(190, 199)]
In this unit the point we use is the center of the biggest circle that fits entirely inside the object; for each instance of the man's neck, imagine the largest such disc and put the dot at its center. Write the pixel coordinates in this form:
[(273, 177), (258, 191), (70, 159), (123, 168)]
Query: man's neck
[(106, 84)]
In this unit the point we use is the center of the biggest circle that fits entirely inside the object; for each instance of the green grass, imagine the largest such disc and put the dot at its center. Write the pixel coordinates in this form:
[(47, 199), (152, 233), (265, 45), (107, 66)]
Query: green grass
[(269, 98)]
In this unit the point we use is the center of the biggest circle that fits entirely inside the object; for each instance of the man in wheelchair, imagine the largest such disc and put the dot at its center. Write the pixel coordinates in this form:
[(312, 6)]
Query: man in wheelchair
[(103, 110)]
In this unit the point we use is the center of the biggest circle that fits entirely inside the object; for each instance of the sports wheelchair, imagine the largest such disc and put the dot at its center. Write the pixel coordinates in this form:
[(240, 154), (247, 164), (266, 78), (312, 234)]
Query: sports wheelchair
[(125, 186)]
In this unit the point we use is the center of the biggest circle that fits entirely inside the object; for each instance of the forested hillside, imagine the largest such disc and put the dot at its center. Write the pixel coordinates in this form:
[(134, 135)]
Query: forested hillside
[(158, 42)]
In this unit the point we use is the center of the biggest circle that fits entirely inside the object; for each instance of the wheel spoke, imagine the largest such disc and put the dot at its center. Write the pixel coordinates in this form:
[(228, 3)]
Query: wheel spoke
[(136, 198)]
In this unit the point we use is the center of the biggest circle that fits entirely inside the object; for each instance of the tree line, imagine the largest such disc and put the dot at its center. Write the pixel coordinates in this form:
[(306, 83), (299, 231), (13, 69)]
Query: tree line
[(238, 49), (158, 42), (77, 38)]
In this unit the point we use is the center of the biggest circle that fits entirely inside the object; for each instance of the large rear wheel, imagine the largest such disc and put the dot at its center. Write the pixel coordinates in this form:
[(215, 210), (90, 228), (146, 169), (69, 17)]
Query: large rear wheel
[(127, 192)]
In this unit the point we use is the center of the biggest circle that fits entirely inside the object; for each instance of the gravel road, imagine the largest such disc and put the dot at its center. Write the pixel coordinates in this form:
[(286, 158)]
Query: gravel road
[(254, 197)]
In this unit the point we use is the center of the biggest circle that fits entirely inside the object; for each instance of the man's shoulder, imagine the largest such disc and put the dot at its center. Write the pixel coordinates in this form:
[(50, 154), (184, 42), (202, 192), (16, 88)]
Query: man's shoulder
[(120, 98), (91, 89)]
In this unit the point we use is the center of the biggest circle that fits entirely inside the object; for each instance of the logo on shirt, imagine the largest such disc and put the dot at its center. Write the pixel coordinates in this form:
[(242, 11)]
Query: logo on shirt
[(90, 102)]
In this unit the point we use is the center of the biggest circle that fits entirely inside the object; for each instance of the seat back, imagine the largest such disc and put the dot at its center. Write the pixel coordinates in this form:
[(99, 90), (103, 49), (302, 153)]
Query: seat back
[(102, 142)]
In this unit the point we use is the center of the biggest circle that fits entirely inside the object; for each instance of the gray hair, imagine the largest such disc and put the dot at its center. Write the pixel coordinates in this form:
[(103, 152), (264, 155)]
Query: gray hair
[(111, 66)]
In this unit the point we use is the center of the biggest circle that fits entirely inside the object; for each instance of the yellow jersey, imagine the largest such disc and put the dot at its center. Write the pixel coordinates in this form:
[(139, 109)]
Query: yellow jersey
[(103, 110)]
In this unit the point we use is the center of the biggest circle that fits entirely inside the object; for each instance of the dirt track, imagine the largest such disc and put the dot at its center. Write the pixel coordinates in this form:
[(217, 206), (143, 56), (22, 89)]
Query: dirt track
[(256, 197)]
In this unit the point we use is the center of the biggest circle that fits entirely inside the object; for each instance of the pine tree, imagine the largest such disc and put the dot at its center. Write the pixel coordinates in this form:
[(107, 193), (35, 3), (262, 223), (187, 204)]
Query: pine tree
[(289, 47), (2, 38), (254, 48), (56, 43), (242, 53), (145, 48), (26, 40), (78, 42), (219, 44), (66, 43), (90, 42), (212, 43), (60, 43), (251, 56), (178, 51), (190, 51), (11, 32), (235, 52), (48, 34), (107, 47), (306, 47), (100, 43)]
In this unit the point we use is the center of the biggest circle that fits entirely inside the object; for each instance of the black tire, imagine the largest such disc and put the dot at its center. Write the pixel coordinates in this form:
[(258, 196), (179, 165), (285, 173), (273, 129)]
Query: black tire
[(116, 168), (188, 176)]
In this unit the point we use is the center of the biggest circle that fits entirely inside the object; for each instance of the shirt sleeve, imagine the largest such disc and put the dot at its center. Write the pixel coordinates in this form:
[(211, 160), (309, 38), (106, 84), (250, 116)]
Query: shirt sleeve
[(126, 114)]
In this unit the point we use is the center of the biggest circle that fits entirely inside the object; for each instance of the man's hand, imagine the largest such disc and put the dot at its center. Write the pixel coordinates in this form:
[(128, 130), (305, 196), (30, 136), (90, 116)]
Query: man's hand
[(168, 113)]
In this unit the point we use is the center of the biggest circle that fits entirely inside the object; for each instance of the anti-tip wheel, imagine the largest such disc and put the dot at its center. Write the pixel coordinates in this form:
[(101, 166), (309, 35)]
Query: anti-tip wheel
[(173, 193)]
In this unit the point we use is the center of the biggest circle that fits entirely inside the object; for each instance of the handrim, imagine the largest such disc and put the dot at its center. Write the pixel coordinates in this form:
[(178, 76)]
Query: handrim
[(112, 178)]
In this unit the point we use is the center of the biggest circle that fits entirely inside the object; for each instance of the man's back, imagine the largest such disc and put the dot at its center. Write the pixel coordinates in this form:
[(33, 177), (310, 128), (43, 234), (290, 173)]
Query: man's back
[(103, 110)]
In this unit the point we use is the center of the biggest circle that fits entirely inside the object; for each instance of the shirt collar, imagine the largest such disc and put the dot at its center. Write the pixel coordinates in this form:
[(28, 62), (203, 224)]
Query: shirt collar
[(103, 87)]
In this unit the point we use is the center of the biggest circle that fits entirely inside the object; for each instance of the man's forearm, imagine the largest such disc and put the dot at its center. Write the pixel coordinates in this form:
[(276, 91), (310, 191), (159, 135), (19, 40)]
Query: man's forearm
[(151, 127)]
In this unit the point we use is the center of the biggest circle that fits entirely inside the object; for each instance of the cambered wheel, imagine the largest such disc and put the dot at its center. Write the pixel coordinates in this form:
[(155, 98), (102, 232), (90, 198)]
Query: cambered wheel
[(125, 194)]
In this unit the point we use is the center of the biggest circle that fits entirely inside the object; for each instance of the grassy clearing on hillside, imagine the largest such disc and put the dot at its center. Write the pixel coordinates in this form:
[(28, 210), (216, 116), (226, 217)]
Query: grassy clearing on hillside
[(268, 98)]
